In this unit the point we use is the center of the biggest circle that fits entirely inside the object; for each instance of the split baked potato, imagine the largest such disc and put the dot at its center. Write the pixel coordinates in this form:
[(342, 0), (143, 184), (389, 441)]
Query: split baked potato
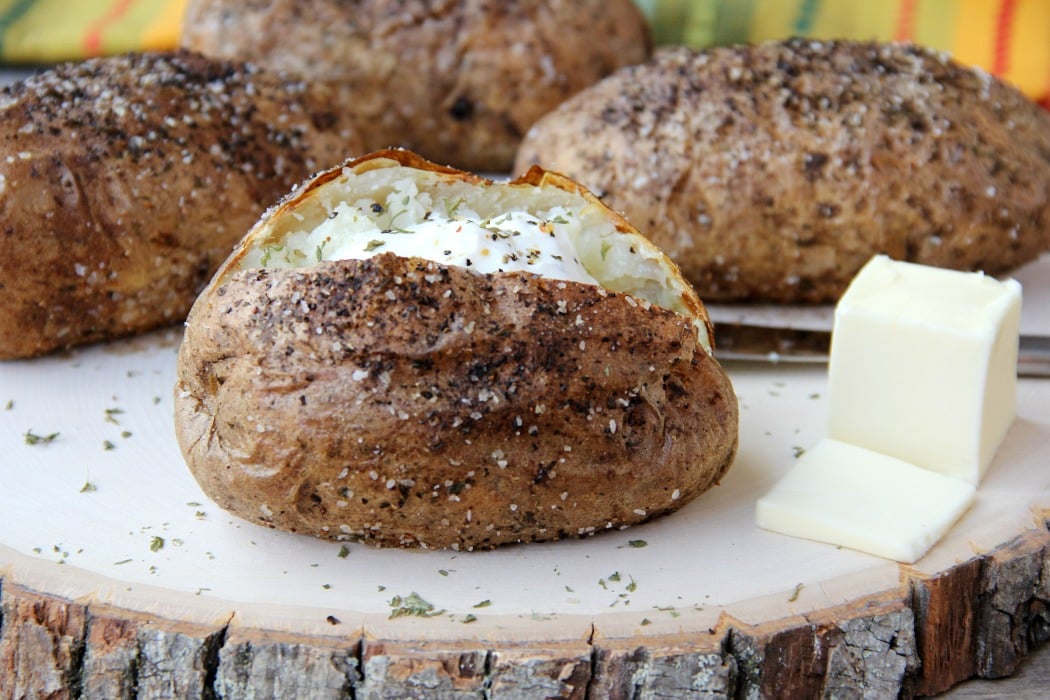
[(774, 172), (458, 82), (125, 181), (409, 355)]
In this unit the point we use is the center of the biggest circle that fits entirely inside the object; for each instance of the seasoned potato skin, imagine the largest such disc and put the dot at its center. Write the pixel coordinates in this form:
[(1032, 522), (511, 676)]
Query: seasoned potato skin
[(774, 172), (126, 181), (405, 403), (458, 82), (461, 412)]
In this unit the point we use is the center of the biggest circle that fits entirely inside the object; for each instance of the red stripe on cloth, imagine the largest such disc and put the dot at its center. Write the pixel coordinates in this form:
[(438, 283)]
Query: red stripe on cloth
[(1003, 27), (905, 29), (93, 36)]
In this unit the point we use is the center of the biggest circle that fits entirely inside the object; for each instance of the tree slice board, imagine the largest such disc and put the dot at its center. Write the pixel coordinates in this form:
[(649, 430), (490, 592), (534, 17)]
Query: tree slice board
[(118, 576)]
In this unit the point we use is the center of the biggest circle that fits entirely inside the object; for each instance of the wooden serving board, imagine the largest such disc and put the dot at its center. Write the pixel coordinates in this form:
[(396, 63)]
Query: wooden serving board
[(117, 573)]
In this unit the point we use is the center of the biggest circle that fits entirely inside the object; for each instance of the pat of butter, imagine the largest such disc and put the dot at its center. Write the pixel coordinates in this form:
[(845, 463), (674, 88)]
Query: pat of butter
[(924, 365), (861, 499)]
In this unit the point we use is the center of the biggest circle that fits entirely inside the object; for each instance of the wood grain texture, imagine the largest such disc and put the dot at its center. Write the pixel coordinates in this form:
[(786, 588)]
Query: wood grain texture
[(945, 631), (254, 664), (980, 618), (666, 667), (392, 671), (41, 645)]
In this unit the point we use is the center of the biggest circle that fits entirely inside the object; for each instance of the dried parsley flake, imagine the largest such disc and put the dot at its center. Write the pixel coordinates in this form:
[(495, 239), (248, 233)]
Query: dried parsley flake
[(32, 438), (412, 605)]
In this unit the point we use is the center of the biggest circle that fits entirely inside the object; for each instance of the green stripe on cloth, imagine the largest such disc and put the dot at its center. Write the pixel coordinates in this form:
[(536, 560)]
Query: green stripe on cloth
[(734, 23), (10, 14), (806, 17), (666, 19), (700, 26)]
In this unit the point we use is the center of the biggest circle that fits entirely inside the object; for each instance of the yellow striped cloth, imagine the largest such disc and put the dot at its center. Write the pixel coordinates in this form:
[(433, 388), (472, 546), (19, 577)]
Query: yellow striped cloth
[(1008, 38), (48, 31)]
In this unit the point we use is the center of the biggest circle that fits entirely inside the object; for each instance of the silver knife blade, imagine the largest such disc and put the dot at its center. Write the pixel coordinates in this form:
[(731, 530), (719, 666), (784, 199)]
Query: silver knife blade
[(742, 342)]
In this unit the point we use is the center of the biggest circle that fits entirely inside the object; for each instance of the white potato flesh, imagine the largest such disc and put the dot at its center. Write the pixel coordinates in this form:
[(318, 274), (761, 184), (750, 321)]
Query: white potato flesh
[(489, 228)]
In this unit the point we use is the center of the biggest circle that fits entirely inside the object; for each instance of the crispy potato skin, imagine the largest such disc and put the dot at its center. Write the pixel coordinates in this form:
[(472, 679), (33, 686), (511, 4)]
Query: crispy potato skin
[(458, 82), (404, 403), (126, 181), (773, 173)]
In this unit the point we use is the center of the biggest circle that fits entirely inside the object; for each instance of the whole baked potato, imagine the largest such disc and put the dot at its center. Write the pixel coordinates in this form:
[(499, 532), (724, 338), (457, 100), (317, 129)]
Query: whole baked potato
[(408, 355), (125, 181), (458, 82), (774, 172)]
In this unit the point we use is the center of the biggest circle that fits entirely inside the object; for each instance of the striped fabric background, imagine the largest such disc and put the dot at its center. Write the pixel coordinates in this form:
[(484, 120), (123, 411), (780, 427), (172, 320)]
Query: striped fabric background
[(46, 31), (1009, 38)]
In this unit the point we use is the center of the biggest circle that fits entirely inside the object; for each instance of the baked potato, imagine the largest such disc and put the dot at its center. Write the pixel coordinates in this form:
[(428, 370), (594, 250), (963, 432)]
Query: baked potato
[(458, 82), (125, 181), (774, 172), (411, 356)]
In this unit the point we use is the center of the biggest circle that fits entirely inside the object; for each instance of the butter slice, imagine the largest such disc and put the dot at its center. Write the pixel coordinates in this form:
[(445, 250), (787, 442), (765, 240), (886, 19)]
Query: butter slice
[(924, 365), (857, 498)]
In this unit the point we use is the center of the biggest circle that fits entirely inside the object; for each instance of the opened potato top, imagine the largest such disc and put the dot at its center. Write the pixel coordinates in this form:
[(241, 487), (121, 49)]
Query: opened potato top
[(394, 202)]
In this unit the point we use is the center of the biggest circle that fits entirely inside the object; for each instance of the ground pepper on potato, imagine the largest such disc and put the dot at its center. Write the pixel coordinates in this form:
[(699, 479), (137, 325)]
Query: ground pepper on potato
[(774, 172), (125, 181)]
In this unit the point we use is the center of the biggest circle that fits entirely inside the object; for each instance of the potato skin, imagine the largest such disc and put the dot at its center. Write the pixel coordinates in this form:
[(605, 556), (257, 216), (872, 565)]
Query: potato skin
[(125, 182), (458, 82), (404, 403), (774, 172)]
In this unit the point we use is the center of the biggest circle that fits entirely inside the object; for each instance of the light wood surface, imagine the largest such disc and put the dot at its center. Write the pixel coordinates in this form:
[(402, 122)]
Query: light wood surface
[(709, 599)]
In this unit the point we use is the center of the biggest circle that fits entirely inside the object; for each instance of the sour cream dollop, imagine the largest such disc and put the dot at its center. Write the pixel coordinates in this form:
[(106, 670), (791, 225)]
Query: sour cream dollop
[(411, 224)]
